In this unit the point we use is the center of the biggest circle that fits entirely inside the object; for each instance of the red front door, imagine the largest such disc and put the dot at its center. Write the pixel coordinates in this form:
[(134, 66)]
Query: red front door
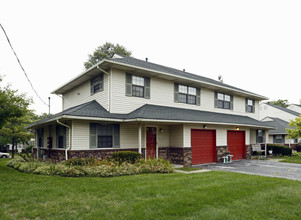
[(236, 144), (151, 140)]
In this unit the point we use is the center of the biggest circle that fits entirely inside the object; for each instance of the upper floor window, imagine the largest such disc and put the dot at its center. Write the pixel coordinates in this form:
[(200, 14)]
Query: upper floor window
[(224, 101), (97, 84), (250, 105), (187, 94), (137, 86)]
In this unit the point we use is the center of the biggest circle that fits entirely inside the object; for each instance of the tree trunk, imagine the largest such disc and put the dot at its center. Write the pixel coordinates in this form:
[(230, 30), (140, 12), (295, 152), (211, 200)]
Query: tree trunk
[(13, 149)]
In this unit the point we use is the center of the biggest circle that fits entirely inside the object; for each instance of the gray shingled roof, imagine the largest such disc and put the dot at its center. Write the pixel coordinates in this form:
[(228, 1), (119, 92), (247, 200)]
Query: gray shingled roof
[(94, 110), (284, 109), (279, 124), (160, 68)]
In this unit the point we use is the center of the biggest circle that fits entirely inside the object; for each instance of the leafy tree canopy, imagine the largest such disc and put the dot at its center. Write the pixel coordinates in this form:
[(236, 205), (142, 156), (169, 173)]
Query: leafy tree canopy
[(295, 128), (11, 104), (280, 102), (107, 50)]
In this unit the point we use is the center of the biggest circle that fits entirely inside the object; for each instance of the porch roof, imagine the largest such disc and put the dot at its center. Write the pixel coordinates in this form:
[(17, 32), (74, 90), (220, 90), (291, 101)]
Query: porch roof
[(278, 123), (153, 113)]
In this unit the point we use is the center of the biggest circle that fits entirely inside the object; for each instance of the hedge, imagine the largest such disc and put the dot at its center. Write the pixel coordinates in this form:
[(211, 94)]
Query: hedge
[(126, 156), (280, 150), (105, 168)]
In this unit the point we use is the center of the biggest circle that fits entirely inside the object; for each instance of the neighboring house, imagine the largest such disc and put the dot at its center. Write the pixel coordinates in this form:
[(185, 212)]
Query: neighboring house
[(294, 107), (276, 111), (278, 117), (278, 135), (123, 103)]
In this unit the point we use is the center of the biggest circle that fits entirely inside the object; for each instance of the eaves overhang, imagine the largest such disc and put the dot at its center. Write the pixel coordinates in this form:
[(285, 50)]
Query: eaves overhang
[(108, 63)]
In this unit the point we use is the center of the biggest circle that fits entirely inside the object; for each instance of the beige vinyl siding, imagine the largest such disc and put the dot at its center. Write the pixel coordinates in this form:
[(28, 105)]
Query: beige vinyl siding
[(162, 93), (129, 135), (80, 133), (163, 137), (82, 94), (176, 135), (270, 111)]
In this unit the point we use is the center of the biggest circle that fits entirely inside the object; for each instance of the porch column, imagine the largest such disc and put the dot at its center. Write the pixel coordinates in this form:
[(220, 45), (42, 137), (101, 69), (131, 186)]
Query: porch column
[(265, 142), (139, 138)]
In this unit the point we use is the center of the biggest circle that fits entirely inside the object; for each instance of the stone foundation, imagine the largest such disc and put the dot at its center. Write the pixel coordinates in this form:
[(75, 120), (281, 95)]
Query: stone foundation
[(182, 156), (220, 152)]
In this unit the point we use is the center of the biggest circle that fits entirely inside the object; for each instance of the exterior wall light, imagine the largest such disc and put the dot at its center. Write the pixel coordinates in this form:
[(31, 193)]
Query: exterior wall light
[(237, 128)]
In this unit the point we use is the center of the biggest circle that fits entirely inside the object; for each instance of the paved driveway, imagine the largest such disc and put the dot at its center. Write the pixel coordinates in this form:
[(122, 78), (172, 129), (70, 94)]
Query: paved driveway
[(259, 167)]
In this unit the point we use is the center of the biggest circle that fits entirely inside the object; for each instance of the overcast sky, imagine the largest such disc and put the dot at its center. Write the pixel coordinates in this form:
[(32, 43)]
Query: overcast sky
[(254, 45)]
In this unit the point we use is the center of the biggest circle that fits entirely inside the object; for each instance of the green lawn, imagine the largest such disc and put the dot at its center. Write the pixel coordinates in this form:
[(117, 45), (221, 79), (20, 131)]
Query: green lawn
[(291, 159), (210, 195)]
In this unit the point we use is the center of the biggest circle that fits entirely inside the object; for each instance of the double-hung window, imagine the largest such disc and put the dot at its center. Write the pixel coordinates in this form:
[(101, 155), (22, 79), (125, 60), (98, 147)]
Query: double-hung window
[(97, 84), (250, 105), (40, 133), (60, 136), (187, 94), (104, 135), (260, 136), (137, 86), (223, 101)]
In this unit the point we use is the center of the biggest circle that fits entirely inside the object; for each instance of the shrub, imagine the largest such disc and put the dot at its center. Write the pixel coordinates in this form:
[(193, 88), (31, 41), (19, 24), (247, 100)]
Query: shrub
[(82, 162), (126, 156), (280, 150), (105, 168)]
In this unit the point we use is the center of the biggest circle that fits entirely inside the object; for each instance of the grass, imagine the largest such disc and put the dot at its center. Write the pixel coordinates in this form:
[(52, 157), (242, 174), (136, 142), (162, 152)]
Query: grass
[(295, 159), (188, 169), (211, 195)]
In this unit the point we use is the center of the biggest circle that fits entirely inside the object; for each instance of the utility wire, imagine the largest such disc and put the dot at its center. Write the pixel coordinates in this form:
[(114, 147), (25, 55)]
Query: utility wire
[(22, 66)]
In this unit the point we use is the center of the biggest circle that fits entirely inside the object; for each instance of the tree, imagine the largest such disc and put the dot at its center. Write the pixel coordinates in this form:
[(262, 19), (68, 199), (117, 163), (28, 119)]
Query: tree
[(295, 128), (13, 116), (14, 131), (11, 104), (107, 50), (280, 102)]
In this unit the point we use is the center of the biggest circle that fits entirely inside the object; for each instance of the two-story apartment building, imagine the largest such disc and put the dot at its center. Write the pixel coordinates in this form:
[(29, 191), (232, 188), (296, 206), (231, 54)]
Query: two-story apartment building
[(279, 117), (123, 103)]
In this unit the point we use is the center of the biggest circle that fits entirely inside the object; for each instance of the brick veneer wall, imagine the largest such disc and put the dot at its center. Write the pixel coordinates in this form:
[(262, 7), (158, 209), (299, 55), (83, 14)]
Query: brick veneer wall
[(180, 156)]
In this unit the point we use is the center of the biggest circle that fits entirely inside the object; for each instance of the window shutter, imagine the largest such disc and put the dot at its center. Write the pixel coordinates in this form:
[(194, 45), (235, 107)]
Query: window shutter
[(176, 93), (101, 82), (231, 102), (57, 136), (274, 139), (198, 96), (93, 135), (246, 104), (128, 84), (91, 86), (147, 87), (116, 136), (253, 106), (215, 99), (64, 138)]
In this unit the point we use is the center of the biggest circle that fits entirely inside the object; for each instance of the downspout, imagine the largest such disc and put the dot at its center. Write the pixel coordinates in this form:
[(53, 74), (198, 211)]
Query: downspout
[(109, 91), (69, 130)]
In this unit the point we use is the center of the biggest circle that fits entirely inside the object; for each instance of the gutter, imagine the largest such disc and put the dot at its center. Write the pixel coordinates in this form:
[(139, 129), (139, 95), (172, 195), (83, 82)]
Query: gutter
[(69, 130)]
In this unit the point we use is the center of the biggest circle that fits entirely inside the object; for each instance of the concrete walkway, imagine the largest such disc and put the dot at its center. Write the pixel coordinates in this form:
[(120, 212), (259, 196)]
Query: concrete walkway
[(268, 168)]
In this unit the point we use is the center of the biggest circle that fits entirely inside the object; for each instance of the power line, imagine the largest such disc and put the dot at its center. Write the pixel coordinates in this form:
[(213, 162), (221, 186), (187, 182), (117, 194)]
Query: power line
[(22, 66)]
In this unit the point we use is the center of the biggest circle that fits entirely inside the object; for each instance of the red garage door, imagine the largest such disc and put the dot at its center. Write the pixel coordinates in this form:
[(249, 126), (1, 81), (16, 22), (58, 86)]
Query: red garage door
[(203, 146), (236, 144)]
